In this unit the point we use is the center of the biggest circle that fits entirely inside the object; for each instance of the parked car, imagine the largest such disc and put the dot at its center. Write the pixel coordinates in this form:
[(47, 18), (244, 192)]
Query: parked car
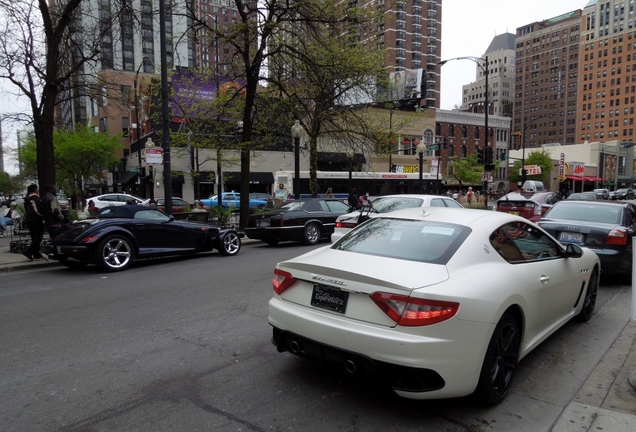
[(531, 207), (583, 196), (119, 235), (531, 187), (409, 298), (62, 199), (622, 194), (232, 200), (112, 199), (385, 204), (305, 220), (602, 193), (179, 205), (605, 227)]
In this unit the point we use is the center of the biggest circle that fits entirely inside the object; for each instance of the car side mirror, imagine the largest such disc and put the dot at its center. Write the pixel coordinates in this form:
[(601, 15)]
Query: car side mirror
[(573, 251)]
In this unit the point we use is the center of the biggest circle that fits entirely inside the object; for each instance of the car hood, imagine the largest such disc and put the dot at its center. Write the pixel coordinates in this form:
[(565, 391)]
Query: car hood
[(364, 273)]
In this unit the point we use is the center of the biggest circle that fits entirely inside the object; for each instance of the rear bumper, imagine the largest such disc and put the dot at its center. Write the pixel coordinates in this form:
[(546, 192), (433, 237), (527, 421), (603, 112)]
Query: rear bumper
[(613, 261), (439, 361), (275, 233)]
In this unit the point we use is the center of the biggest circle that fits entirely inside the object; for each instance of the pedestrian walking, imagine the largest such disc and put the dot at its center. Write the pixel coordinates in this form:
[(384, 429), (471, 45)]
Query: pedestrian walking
[(52, 211), (35, 222)]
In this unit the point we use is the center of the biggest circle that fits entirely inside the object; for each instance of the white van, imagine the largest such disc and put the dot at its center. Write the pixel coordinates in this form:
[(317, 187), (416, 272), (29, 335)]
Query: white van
[(532, 187)]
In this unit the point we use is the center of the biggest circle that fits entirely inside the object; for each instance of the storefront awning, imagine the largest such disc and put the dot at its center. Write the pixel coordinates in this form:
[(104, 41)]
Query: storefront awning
[(234, 177), (126, 178), (583, 178), (207, 177)]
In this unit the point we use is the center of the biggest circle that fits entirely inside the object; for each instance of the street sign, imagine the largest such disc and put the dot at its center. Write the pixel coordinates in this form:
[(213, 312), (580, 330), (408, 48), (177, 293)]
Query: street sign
[(154, 156), (486, 177), (432, 147)]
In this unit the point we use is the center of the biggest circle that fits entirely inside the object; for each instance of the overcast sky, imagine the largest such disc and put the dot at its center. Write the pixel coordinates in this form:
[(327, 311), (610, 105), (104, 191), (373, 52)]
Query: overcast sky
[(468, 27)]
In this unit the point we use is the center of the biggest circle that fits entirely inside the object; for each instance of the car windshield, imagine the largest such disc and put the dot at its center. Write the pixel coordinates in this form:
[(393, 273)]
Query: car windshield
[(413, 240), (291, 205), (586, 212), (389, 204)]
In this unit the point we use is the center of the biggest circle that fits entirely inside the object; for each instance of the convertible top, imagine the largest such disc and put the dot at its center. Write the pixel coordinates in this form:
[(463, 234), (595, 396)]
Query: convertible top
[(124, 211)]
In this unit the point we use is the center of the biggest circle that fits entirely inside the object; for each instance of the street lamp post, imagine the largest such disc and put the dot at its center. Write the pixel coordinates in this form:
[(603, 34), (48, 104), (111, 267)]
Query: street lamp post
[(484, 68), (297, 131), (140, 172), (165, 138), (420, 149)]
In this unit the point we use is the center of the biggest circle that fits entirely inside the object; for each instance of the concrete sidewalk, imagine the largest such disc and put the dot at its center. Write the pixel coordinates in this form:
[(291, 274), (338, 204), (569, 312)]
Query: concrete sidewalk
[(606, 401)]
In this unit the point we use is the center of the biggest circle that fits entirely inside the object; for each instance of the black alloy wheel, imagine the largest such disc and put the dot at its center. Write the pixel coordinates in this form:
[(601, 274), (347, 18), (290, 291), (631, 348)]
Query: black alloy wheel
[(500, 362), (590, 299)]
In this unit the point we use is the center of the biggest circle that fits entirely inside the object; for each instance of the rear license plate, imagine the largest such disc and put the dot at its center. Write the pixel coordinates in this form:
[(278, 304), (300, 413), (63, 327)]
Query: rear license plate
[(568, 237), (262, 223), (329, 298), (516, 213)]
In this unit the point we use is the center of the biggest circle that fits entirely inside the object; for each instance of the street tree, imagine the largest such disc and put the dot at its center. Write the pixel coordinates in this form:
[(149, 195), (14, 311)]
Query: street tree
[(325, 74), (79, 155), (539, 157), (48, 51), (466, 170), (262, 32)]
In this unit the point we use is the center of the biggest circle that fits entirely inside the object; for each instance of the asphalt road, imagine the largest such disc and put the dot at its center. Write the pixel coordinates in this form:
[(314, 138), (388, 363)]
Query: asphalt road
[(184, 345)]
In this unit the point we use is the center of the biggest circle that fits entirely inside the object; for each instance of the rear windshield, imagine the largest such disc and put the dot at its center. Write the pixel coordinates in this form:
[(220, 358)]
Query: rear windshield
[(586, 212), (413, 240), (389, 204)]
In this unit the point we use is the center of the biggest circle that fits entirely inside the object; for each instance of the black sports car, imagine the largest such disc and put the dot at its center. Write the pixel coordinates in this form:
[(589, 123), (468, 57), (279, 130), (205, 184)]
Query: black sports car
[(306, 220), (118, 235)]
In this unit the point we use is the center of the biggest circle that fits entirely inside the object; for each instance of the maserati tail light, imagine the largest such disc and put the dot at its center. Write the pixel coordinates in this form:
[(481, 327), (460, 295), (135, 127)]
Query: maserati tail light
[(282, 280), (408, 311)]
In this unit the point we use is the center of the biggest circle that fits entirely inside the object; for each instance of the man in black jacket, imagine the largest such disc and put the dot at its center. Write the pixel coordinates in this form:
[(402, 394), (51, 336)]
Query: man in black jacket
[(35, 221)]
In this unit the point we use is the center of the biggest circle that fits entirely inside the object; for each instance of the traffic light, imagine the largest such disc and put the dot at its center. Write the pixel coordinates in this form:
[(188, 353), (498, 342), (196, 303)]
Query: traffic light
[(480, 156), (502, 156), (488, 158), (445, 144)]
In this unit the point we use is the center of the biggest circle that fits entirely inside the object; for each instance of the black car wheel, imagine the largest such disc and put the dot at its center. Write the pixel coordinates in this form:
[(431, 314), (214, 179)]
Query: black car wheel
[(590, 299), (500, 362), (230, 244), (114, 253), (311, 235)]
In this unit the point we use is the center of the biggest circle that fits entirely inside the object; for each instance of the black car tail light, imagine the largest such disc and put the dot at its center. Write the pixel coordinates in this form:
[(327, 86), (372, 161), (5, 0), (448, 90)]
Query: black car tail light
[(616, 236)]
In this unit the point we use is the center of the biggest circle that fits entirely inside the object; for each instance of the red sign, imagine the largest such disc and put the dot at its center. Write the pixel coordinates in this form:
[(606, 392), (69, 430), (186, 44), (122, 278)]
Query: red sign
[(154, 156)]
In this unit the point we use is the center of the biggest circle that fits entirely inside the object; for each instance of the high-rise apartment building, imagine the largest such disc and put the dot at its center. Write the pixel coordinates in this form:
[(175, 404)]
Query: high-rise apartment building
[(412, 34), (128, 47), (608, 71), (501, 73), (547, 80)]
